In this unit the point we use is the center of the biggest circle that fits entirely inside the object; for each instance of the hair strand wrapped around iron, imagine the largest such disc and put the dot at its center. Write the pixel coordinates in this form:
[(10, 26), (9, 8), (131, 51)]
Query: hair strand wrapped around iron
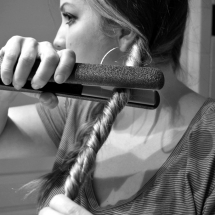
[(85, 161)]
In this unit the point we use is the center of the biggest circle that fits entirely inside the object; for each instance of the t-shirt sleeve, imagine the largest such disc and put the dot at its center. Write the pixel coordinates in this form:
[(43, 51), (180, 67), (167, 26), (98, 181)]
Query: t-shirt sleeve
[(54, 119), (201, 161)]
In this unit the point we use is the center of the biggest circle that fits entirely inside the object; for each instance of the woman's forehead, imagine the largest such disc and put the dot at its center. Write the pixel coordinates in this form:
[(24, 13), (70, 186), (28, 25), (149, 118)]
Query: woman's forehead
[(72, 3)]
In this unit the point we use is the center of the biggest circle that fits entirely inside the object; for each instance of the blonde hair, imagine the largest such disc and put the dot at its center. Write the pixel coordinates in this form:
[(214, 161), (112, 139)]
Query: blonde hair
[(159, 25), (160, 38)]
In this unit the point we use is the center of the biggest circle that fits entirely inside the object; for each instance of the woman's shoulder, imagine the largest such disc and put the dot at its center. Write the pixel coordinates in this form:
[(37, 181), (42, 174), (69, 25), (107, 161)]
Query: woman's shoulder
[(205, 116), (207, 111), (201, 146), (202, 130), (198, 110)]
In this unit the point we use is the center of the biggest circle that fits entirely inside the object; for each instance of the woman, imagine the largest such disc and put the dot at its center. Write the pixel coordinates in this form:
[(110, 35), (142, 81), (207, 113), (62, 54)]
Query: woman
[(152, 161)]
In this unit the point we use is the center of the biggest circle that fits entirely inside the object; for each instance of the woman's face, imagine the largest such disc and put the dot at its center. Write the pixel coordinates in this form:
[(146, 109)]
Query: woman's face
[(80, 31)]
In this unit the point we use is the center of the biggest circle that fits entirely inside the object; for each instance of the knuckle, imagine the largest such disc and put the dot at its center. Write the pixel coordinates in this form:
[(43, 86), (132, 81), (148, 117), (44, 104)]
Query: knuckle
[(45, 43), (52, 58), (69, 53), (16, 38), (48, 51), (31, 40), (11, 57), (27, 59)]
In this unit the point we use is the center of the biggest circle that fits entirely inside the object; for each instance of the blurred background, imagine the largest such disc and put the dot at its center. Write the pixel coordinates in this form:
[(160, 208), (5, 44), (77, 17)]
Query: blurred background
[(40, 19)]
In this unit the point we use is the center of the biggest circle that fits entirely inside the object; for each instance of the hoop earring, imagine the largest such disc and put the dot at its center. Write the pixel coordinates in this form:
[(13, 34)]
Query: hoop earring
[(107, 54), (113, 57)]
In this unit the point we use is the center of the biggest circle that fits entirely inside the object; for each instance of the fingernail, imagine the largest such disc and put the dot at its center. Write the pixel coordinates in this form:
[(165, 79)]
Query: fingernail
[(60, 78), (17, 87), (48, 101), (36, 86), (6, 81)]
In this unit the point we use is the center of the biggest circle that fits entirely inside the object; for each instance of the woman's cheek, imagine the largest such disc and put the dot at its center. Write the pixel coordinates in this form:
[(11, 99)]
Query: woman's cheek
[(86, 51), (89, 45)]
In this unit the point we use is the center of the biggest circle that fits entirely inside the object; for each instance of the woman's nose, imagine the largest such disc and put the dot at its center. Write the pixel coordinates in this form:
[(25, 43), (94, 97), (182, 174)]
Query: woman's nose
[(59, 41)]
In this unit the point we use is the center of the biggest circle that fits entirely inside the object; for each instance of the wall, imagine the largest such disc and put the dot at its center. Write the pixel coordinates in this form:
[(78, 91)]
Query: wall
[(13, 175), (196, 57), (212, 56)]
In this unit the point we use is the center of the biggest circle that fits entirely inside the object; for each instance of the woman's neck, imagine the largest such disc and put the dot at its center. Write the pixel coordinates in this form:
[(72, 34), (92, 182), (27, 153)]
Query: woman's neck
[(176, 101)]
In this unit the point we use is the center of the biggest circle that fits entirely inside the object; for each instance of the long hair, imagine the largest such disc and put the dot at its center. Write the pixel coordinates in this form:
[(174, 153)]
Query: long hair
[(159, 26)]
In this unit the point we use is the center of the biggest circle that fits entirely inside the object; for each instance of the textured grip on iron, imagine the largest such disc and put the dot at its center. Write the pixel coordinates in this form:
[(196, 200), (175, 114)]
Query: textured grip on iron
[(117, 76), (114, 76)]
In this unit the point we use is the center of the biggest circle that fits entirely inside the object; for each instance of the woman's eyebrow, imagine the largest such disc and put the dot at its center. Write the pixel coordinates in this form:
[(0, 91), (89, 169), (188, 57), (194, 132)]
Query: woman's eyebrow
[(62, 7)]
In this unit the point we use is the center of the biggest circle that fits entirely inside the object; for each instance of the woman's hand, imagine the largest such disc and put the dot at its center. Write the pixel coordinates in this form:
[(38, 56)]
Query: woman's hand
[(24, 51), (61, 205)]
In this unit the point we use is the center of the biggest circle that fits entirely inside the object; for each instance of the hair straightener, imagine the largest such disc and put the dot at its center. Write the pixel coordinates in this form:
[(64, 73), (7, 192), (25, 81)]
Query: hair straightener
[(95, 83)]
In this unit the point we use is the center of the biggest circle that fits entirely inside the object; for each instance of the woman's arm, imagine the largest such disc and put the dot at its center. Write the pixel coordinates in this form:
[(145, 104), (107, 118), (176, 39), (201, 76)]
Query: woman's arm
[(24, 135)]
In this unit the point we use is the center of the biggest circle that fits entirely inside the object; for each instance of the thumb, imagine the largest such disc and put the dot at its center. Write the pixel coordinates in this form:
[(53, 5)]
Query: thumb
[(47, 99), (50, 100), (64, 205)]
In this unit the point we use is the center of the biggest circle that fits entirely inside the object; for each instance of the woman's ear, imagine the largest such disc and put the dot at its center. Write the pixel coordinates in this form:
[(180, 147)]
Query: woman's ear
[(126, 39)]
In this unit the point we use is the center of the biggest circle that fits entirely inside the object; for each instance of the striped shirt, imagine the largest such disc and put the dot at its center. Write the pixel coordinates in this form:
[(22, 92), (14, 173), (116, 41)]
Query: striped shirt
[(184, 184)]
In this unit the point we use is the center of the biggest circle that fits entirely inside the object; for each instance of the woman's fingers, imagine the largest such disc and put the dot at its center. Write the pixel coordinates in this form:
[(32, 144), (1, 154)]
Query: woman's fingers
[(23, 52), (49, 100), (49, 61), (25, 62), (62, 70), (11, 52), (65, 67), (64, 205), (49, 211)]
